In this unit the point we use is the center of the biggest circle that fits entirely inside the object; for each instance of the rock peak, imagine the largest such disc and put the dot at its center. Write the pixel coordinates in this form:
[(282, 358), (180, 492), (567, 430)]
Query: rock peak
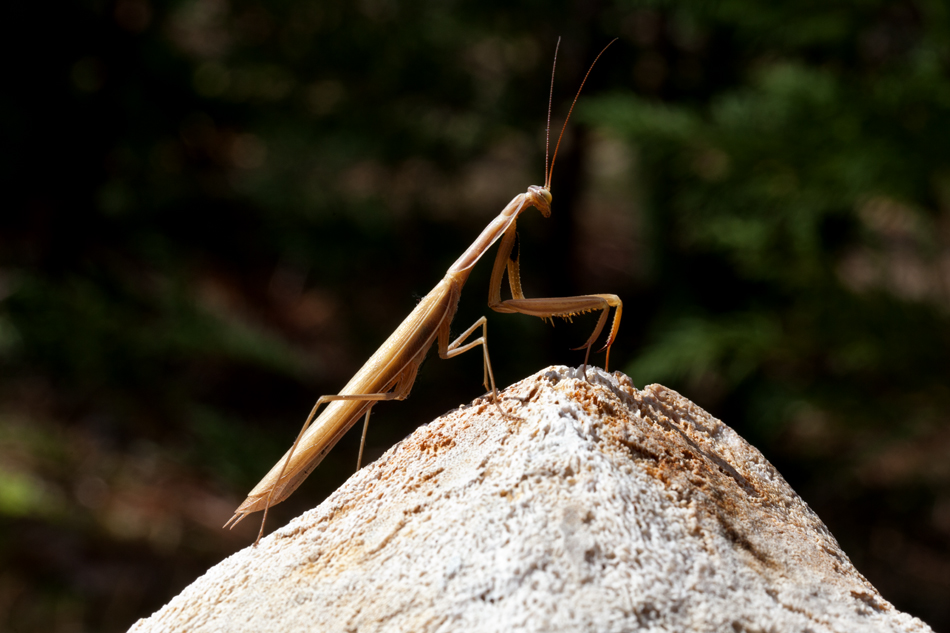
[(576, 504)]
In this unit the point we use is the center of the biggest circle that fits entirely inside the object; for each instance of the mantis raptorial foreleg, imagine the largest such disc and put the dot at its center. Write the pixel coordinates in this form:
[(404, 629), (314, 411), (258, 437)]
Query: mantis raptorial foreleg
[(391, 371), (545, 308)]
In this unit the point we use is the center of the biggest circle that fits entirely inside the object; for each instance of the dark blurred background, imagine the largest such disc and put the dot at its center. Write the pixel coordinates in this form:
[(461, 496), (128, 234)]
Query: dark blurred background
[(213, 211)]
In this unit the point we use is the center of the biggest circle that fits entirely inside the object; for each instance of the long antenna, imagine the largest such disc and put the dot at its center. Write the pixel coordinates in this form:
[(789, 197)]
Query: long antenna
[(547, 130), (549, 170)]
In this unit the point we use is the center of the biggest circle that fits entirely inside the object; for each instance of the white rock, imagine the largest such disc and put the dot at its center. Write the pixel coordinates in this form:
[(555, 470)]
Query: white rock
[(598, 508)]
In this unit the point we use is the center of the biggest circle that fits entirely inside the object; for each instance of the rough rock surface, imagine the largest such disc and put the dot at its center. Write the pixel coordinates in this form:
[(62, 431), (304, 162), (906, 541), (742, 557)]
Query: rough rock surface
[(598, 508)]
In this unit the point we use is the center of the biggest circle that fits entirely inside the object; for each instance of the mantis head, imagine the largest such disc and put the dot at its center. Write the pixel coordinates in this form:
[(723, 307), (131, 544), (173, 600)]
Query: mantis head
[(540, 199)]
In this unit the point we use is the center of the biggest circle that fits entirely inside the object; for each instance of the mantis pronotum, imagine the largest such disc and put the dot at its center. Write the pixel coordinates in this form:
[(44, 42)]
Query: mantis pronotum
[(391, 371)]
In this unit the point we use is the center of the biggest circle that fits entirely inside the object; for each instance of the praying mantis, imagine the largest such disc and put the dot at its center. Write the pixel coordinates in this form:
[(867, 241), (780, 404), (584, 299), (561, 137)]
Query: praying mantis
[(390, 372)]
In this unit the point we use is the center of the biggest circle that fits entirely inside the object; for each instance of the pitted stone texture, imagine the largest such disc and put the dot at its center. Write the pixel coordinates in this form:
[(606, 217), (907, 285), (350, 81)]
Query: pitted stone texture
[(588, 505)]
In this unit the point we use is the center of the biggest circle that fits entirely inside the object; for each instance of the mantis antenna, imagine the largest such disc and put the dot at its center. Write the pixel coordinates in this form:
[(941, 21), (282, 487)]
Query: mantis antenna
[(547, 169)]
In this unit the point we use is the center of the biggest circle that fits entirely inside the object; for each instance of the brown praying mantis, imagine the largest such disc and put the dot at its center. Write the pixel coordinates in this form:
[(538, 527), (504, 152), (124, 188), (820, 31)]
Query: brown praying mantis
[(390, 373)]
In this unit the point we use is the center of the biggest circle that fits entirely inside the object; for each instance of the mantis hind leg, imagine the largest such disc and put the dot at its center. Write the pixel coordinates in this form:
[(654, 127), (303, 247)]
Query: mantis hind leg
[(404, 383), (359, 459)]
